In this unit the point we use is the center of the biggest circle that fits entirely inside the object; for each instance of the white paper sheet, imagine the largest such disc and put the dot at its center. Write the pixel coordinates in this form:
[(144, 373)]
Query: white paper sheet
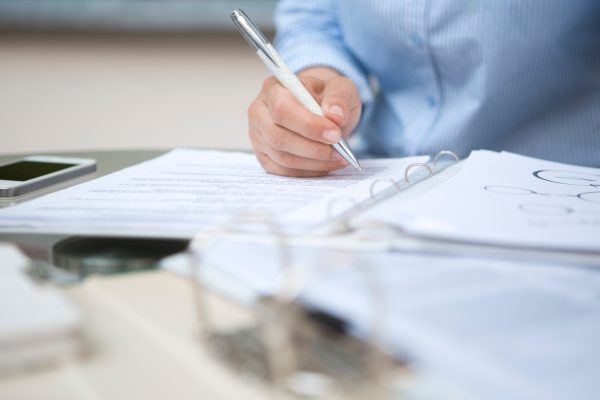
[(506, 199), (500, 330), (185, 191)]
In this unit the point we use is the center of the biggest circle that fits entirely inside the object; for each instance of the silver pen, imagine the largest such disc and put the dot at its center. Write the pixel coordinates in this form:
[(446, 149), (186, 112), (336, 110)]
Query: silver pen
[(284, 75)]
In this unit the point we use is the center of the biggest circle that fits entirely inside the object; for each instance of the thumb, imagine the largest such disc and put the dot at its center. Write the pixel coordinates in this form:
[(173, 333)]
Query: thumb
[(341, 102)]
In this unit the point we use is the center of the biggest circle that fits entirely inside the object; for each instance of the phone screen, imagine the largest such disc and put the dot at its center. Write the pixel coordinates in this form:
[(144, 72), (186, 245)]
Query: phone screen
[(26, 170)]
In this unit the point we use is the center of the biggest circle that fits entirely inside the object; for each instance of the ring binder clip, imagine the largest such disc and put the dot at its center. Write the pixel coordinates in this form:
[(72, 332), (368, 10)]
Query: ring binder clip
[(284, 343), (257, 348), (359, 368), (444, 153), (332, 203), (415, 165), (376, 181)]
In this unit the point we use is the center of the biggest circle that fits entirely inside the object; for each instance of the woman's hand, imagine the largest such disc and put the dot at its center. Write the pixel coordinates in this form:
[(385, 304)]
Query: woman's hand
[(290, 140)]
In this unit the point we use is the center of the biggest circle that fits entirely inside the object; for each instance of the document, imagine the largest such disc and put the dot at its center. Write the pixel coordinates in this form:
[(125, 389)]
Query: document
[(185, 191), (505, 199)]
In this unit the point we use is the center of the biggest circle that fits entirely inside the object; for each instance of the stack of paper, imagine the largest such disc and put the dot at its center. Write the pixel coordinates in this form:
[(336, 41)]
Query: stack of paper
[(37, 324), (186, 191), (498, 330), (496, 198), (505, 199)]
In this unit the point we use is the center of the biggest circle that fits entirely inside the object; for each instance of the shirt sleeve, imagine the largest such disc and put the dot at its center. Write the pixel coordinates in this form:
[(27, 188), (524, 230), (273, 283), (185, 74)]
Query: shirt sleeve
[(309, 35)]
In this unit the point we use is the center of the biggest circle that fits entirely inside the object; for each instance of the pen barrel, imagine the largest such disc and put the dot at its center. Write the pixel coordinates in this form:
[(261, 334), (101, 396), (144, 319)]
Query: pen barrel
[(290, 81)]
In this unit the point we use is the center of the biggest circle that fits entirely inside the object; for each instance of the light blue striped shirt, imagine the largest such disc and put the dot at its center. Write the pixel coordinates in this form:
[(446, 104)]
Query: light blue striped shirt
[(516, 75)]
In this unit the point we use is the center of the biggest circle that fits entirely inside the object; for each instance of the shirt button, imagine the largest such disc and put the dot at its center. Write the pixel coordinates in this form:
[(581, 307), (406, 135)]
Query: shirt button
[(416, 40), (431, 100)]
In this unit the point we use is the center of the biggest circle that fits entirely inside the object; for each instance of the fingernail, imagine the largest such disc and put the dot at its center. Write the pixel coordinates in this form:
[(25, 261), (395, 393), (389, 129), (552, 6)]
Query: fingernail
[(336, 156), (336, 110), (331, 136)]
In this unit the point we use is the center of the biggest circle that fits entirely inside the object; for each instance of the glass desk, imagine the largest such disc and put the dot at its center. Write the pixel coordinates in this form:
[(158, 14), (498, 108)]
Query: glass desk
[(76, 257)]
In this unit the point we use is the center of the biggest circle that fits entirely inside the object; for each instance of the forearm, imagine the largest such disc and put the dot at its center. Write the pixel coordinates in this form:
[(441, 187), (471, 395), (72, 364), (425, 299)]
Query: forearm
[(309, 38)]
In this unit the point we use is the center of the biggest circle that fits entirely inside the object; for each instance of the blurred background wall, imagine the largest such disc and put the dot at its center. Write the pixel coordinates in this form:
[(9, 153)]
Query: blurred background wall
[(118, 74)]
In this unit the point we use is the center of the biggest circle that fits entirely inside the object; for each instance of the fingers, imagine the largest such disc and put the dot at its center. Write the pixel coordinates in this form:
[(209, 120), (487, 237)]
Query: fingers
[(285, 140), (290, 140), (341, 103), (324, 159), (272, 167), (287, 112)]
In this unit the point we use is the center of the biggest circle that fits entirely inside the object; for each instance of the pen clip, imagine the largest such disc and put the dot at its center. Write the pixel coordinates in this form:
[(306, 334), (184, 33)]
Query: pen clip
[(252, 34)]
